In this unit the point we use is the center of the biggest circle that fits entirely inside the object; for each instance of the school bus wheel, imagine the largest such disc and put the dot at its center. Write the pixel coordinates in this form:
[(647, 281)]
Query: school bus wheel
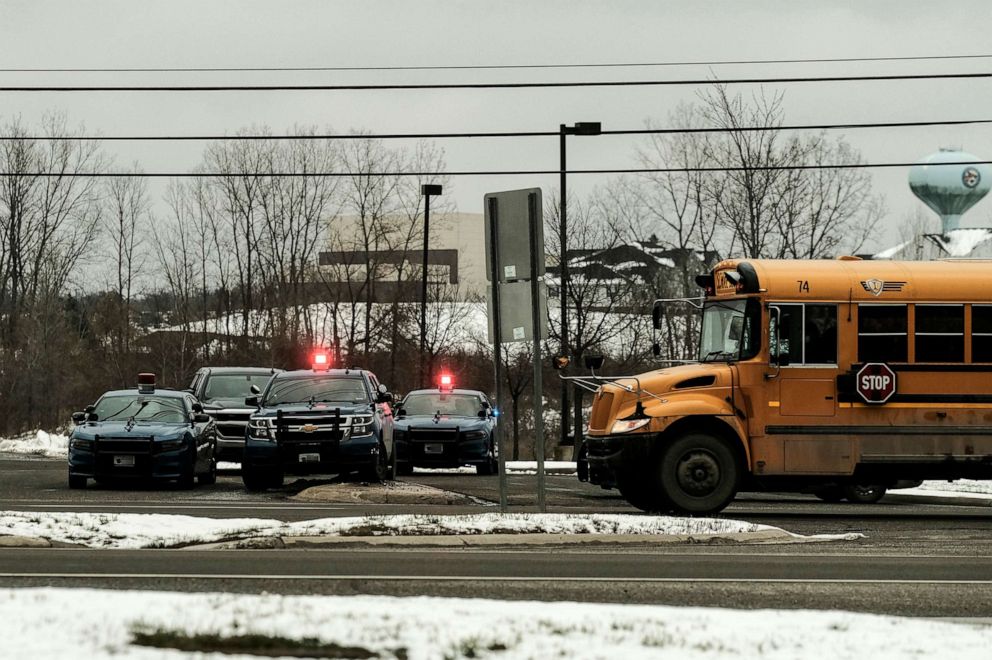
[(641, 492), (698, 473), (831, 494), (864, 493)]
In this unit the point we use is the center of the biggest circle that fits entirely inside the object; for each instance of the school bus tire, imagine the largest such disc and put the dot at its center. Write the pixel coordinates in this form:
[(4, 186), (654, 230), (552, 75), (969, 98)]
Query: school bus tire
[(641, 492), (698, 473), (830, 494), (863, 493)]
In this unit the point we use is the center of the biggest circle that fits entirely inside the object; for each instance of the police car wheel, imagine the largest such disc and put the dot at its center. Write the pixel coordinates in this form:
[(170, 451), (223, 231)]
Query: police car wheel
[(490, 467), (379, 470), (210, 477), (77, 481), (257, 480)]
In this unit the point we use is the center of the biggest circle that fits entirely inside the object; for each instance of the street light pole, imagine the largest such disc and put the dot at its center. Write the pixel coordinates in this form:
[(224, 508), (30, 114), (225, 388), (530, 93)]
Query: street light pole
[(580, 128), (563, 278), (426, 190)]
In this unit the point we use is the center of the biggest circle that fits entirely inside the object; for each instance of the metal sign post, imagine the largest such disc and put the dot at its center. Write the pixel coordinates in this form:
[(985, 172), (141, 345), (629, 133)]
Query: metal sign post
[(534, 217), (493, 209), (518, 301)]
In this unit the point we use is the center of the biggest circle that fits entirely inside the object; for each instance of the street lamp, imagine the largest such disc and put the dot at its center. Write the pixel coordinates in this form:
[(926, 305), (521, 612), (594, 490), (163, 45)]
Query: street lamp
[(426, 190), (580, 128)]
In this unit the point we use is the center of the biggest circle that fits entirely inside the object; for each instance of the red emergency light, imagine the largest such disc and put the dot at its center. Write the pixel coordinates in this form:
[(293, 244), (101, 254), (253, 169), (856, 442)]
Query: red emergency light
[(146, 383), (446, 382), (321, 361)]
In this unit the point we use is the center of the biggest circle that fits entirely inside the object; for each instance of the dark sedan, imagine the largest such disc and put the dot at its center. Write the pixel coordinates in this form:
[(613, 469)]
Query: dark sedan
[(445, 428), (143, 434)]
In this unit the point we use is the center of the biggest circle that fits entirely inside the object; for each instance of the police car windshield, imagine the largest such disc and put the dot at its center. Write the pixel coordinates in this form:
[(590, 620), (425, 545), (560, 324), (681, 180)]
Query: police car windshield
[(317, 389), (232, 386), (142, 407), (453, 405)]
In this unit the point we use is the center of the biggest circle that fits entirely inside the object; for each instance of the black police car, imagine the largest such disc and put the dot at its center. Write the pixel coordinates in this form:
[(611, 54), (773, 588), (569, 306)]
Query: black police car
[(223, 391), (318, 421), (446, 428), (143, 434)]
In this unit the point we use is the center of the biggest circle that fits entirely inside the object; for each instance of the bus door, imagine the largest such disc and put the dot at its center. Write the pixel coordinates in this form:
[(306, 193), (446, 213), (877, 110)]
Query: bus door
[(802, 397)]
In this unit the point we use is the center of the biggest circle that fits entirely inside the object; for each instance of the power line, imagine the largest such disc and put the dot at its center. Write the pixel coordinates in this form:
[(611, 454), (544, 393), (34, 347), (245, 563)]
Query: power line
[(487, 134), (494, 67), (510, 85), (468, 173)]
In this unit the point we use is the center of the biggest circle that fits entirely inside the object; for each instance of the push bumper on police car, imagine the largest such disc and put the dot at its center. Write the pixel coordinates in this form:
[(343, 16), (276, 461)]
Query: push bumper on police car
[(309, 443), (430, 446)]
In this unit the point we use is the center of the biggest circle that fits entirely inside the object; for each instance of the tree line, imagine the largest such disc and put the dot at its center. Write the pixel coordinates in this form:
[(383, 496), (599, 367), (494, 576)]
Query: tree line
[(99, 279)]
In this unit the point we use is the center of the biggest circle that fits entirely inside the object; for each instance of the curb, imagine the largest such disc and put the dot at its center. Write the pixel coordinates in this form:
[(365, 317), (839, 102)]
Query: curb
[(24, 542), (762, 537)]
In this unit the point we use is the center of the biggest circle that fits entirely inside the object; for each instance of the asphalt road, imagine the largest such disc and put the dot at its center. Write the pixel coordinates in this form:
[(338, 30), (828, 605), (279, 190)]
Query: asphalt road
[(920, 560)]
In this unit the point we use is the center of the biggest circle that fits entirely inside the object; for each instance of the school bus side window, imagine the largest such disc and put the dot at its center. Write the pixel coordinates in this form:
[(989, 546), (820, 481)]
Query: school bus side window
[(808, 334), (939, 333), (981, 333), (882, 333)]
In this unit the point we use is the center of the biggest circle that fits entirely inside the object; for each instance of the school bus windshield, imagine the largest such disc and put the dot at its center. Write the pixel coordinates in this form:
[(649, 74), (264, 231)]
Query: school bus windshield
[(730, 330)]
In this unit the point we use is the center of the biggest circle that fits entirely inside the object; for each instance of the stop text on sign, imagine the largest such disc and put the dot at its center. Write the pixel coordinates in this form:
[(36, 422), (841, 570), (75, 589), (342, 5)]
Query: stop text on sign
[(875, 382)]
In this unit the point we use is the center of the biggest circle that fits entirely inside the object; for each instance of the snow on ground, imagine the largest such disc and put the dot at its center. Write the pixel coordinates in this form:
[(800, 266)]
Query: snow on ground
[(956, 487), (102, 624), (38, 443), (137, 530)]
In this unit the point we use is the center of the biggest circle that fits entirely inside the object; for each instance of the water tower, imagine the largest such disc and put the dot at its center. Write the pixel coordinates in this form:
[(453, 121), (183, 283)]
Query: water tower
[(950, 190)]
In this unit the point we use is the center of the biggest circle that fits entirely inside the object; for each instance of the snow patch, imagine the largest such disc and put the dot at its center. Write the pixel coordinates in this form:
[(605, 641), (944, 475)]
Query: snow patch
[(39, 443), (137, 530), (102, 624)]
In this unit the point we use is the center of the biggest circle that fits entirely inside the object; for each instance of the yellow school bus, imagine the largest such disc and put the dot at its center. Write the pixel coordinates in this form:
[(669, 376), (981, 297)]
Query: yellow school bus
[(810, 375)]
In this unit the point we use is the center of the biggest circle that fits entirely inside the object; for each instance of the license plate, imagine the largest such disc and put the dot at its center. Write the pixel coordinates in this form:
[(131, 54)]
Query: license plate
[(124, 461), (433, 449), (309, 458)]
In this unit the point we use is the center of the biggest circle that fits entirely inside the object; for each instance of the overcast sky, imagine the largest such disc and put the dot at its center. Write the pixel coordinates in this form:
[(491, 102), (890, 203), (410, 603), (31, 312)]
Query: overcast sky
[(200, 33)]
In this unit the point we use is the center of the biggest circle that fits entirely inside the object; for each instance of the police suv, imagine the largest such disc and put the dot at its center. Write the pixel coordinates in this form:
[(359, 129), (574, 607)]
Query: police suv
[(446, 428), (146, 433), (318, 421)]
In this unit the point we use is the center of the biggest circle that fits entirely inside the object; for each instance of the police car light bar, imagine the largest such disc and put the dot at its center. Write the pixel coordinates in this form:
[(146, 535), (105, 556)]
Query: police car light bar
[(321, 362), (146, 383), (446, 382)]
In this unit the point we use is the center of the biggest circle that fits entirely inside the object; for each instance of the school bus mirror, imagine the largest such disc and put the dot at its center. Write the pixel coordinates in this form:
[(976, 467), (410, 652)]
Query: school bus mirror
[(594, 362)]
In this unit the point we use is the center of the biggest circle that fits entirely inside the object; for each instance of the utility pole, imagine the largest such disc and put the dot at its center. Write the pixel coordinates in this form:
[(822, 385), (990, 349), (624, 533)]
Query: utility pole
[(426, 190)]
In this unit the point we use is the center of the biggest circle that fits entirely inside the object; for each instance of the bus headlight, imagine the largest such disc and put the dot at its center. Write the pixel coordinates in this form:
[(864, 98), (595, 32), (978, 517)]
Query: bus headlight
[(628, 425)]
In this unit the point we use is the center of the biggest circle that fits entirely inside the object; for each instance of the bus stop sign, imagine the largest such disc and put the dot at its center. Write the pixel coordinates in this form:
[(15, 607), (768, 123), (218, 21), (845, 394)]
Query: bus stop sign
[(876, 382)]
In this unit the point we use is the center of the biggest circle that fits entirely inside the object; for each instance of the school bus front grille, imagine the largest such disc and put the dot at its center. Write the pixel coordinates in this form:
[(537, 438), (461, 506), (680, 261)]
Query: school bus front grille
[(601, 409)]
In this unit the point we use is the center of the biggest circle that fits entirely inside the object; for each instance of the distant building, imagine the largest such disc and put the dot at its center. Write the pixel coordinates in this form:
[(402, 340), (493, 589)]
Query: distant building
[(456, 256)]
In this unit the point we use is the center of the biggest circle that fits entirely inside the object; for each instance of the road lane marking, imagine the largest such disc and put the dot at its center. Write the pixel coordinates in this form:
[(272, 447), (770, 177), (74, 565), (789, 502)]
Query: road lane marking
[(486, 578)]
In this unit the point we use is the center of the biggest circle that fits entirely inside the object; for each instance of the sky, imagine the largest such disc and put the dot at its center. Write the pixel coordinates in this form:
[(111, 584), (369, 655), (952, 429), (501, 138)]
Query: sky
[(310, 33)]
